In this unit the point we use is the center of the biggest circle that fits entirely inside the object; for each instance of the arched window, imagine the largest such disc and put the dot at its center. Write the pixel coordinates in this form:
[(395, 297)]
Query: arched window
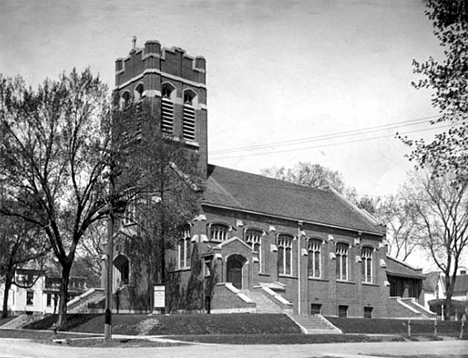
[(219, 232), (139, 89), (366, 264), (285, 255), (254, 239), (124, 100), (185, 247), (188, 124), (342, 262), (314, 248), (167, 108)]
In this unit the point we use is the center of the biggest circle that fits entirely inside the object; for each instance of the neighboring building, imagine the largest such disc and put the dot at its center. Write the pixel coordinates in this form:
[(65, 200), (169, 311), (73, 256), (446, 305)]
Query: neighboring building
[(42, 296), (433, 288), (434, 294), (273, 246), (460, 291)]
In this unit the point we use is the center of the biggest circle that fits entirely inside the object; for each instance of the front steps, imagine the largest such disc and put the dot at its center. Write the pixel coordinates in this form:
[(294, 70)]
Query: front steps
[(81, 304), (399, 307), (314, 324)]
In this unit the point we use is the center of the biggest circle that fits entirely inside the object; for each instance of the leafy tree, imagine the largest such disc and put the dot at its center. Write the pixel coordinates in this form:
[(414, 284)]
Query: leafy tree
[(308, 174), (52, 162), (442, 204), (20, 244), (448, 80)]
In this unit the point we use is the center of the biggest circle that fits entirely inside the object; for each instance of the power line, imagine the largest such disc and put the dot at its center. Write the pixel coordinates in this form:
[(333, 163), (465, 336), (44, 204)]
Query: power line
[(328, 136), (330, 144)]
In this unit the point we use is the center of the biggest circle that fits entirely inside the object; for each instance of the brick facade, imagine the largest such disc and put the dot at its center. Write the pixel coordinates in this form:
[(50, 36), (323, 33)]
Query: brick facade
[(284, 216)]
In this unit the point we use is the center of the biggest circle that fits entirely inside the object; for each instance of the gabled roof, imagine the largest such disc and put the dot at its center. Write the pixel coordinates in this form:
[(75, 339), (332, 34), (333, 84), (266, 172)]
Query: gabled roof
[(237, 190), (402, 269), (430, 283), (461, 285)]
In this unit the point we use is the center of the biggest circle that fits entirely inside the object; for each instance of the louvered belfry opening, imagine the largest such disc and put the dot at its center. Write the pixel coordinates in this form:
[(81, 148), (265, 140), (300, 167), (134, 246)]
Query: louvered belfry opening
[(167, 111), (189, 123)]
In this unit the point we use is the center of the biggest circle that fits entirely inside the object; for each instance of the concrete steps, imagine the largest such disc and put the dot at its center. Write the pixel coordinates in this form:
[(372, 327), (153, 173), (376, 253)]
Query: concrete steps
[(399, 307), (315, 324), (80, 303), (262, 302), (420, 308)]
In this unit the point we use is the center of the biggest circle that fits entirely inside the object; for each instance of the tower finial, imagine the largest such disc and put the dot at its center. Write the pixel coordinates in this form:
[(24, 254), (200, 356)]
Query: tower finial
[(134, 40)]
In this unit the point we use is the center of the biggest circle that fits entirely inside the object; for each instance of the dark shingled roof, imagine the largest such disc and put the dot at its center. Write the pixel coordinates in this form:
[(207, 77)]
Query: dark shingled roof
[(401, 269), (461, 285), (251, 192)]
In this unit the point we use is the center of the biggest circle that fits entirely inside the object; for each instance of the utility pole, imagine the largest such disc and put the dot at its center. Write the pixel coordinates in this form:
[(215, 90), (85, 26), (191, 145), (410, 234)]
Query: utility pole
[(110, 256)]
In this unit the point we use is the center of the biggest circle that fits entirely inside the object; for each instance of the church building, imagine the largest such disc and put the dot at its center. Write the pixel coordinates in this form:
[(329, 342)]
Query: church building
[(273, 246)]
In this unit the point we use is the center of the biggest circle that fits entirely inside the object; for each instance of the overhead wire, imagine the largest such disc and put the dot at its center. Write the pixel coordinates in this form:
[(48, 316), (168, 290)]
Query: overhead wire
[(329, 144), (328, 136)]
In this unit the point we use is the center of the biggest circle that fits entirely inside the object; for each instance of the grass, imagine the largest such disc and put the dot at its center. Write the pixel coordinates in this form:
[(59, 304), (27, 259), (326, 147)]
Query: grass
[(5, 320), (229, 329), (176, 324), (397, 326), (277, 339)]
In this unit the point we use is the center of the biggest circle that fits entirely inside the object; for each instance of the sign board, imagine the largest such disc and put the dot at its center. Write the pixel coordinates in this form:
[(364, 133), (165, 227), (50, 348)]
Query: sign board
[(159, 296)]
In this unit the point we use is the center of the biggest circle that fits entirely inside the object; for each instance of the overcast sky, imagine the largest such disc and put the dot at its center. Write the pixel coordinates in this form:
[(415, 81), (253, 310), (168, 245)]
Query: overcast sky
[(279, 73)]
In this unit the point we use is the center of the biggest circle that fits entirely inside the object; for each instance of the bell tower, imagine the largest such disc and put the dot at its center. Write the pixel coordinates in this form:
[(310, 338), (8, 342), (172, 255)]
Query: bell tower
[(174, 84)]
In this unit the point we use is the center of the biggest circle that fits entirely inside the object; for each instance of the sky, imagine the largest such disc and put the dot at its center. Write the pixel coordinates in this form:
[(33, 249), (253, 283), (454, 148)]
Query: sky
[(326, 82)]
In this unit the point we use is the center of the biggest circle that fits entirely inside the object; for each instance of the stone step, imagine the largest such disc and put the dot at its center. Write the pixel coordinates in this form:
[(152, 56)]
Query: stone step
[(263, 303), (315, 324), (421, 309)]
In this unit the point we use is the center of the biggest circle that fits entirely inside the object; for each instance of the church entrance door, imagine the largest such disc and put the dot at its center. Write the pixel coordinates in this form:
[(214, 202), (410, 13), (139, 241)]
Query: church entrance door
[(234, 271)]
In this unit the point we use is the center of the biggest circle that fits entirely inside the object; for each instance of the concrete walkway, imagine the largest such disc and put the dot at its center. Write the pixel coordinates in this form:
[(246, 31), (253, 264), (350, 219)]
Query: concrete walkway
[(14, 348)]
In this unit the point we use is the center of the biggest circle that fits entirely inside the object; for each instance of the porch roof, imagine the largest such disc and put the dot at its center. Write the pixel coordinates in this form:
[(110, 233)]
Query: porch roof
[(401, 269)]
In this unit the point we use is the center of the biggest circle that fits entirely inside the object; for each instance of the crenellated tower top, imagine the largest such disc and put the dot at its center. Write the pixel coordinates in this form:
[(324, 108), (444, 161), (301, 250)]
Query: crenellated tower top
[(174, 83)]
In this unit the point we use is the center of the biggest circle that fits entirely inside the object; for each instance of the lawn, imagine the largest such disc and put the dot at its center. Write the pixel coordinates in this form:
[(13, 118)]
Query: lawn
[(239, 329), (176, 324), (397, 326)]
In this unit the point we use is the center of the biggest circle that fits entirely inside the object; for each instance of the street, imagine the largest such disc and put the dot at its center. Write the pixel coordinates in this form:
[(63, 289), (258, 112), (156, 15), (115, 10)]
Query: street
[(17, 348)]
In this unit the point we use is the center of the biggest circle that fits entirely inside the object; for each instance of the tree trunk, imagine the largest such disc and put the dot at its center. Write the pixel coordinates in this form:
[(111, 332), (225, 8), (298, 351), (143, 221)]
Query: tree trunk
[(8, 282), (62, 319)]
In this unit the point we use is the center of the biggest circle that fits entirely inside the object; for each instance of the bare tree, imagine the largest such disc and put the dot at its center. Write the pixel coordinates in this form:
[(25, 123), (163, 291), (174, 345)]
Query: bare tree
[(404, 226), (90, 252), (442, 204), (52, 161)]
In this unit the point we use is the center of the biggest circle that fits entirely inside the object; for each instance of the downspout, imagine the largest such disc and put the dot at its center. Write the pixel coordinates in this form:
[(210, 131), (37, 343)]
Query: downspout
[(299, 230)]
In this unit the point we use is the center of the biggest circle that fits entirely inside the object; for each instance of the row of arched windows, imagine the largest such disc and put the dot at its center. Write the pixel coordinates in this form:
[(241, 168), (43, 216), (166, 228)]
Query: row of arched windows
[(284, 243)]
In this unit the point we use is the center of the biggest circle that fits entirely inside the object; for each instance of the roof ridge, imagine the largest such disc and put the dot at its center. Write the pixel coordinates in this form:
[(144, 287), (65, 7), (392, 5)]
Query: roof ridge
[(272, 179)]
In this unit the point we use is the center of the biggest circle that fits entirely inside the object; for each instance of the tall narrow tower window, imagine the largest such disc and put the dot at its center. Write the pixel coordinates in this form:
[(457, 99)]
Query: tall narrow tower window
[(188, 128), (167, 109)]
